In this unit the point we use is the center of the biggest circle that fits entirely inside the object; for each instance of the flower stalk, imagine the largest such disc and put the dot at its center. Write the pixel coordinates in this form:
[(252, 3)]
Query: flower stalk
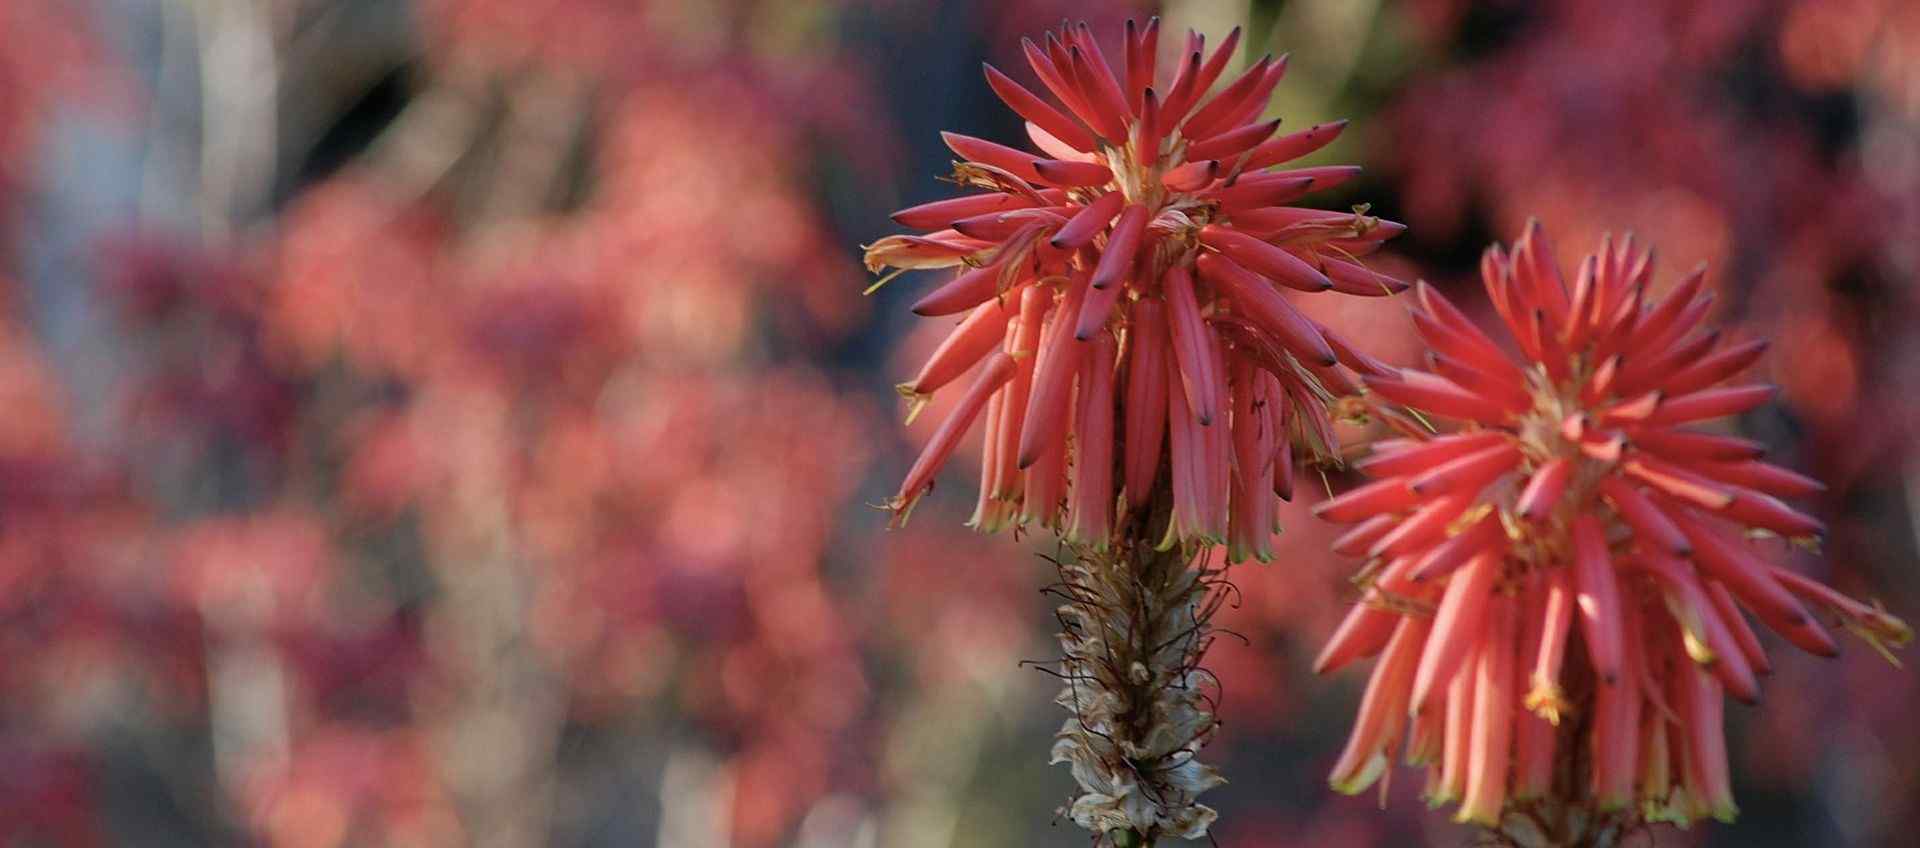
[(1135, 622), (1124, 298)]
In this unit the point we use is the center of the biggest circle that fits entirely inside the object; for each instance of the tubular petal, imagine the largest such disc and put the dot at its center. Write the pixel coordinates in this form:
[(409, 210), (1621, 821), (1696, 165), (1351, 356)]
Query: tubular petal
[(1484, 536), (1210, 119), (1706, 742), (1456, 625), (1771, 479), (1611, 740), (1543, 489), (1117, 259), (1380, 496), (942, 213), (988, 153), (1190, 343), (1100, 79), (1420, 456), (1107, 109), (1426, 525), (1072, 174), (1058, 363), (1146, 420), (1191, 176), (1751, 581), (995, 374), (1467, 473), (1714, 368), (1678, 482), (1187, 457), (1546, 698), (1179, 95), (1491, 752), (1709, 642), (1035, 301), (1361, 634), (1029, 106), (1598, 597), (1254, 195), (1203, 79), (1089, 221), (966, 291), (1096, 311), (1382, 711), (982, 332), (986, 509), (1437, 396), (1685, 445), (1353, 357), (1358, 280), (1743, 635), (1091, 518), (1768, 513), (1250, 521), (1267, 308), (1290, 147), (1362, 536), (1232, 143), (1057, 82), (1649, 523)]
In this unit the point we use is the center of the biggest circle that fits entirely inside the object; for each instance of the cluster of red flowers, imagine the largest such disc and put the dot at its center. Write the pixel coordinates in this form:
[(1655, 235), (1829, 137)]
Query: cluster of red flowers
[(1575, 489), (452, 484), (1137, 265), (1770, 139)]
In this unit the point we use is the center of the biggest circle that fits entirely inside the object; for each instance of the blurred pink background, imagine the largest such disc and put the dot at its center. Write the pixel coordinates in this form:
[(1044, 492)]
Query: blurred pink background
[(455, 422)]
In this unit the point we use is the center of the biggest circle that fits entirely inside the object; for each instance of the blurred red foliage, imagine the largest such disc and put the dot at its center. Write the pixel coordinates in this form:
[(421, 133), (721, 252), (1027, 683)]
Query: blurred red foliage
[(423, 455), (434, 483)]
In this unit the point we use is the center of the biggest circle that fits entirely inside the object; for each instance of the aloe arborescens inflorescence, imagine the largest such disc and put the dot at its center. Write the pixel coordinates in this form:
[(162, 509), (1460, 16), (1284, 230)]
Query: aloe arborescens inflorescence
[(1140, 371)]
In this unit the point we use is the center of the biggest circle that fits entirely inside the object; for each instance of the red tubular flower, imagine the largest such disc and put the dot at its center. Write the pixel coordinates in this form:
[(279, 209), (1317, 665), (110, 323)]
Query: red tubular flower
[(1140, 256), (1574, 548)]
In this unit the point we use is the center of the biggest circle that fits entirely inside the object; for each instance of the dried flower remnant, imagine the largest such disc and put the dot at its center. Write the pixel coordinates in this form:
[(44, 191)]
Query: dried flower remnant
[(1556, 589), (1139, 374), (1133, 632)]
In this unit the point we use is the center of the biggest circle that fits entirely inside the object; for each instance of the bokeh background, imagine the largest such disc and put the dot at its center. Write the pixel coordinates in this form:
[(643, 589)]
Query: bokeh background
[(456, 422)]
